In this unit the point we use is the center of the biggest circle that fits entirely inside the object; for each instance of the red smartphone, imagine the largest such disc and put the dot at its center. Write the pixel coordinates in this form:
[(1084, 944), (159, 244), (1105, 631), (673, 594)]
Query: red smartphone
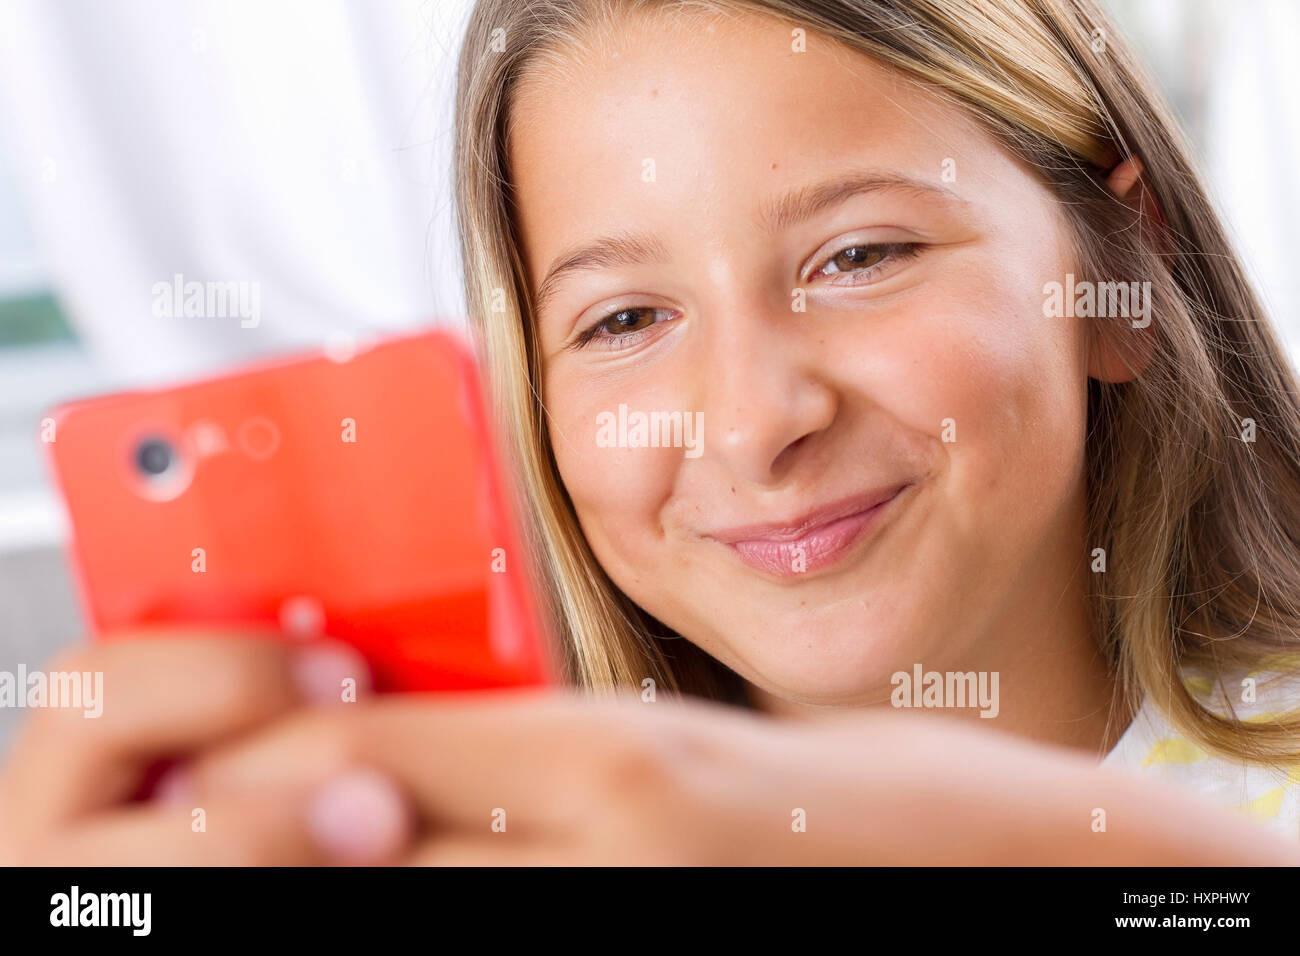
[(356, 498)]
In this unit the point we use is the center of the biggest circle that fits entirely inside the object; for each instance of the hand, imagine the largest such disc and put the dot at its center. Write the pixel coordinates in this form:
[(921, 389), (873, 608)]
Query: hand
[(550, 778), (66, 789)]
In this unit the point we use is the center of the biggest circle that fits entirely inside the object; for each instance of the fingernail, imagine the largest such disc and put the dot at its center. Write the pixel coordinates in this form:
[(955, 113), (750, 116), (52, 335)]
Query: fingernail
[(176, 787), (360, 817), (329, 674)]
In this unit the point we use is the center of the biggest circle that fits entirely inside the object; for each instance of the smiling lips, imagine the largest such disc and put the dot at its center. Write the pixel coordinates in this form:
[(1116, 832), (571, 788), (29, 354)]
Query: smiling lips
[(817, 540)]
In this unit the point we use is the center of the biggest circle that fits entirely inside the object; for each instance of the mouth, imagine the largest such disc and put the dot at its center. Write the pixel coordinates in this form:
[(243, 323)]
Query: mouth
[(816, 541)]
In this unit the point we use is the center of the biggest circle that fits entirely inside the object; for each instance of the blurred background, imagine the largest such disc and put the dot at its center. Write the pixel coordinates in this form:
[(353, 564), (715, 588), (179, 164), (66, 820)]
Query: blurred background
[(303, 147)]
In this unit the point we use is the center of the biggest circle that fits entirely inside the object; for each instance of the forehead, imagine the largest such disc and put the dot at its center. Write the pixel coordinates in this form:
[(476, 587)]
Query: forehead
[(668, 121)]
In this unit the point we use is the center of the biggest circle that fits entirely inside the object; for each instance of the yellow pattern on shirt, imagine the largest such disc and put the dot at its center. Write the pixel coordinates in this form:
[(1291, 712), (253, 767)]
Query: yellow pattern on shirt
[(1150, 746)]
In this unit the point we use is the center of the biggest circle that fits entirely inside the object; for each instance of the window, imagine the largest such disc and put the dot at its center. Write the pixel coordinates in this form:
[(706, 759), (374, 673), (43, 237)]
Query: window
[(41, 363)]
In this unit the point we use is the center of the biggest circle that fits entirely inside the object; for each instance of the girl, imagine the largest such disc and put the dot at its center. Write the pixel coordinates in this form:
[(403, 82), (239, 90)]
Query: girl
[(995, 479)]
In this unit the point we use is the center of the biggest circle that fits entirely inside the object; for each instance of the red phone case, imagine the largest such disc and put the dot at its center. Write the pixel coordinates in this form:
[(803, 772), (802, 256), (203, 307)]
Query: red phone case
[(359, 499)]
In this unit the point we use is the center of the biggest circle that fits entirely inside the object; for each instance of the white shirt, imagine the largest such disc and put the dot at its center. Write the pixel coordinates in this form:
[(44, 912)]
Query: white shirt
[(1152, 748)]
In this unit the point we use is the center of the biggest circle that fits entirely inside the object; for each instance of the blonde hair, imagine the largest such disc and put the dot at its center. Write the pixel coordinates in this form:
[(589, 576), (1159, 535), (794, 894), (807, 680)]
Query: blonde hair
[(1200, 528)]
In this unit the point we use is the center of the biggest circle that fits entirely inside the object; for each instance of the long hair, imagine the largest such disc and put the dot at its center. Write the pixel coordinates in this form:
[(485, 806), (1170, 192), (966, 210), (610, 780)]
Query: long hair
[(1193, 465)]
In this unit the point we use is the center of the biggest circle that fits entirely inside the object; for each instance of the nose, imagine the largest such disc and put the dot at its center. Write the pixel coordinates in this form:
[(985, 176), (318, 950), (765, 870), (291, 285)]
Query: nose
[(765, 397)]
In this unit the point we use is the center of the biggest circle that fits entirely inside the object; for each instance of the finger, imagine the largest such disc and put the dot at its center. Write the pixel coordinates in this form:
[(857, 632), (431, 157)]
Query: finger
[(460, 849), (357, 819), (162, 696), (539, 759)]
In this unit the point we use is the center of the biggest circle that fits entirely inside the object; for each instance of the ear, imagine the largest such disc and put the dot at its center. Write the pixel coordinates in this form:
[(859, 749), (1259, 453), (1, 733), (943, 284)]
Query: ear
[(1125, 355), (1124, 175), (1121, 180), (1114, 359)]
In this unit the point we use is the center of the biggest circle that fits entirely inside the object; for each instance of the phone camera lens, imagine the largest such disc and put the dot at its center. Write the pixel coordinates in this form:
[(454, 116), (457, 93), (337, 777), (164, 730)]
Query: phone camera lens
[(154, 457)]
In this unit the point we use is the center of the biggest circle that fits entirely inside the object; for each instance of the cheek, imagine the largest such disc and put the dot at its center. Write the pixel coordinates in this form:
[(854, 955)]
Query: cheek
[(617, 491), (998, 391), (1016, 389)]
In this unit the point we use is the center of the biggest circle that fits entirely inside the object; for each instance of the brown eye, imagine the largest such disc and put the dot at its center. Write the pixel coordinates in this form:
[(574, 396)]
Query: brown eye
[(857, 257), (860, 265), (628, 320), (619, 329)]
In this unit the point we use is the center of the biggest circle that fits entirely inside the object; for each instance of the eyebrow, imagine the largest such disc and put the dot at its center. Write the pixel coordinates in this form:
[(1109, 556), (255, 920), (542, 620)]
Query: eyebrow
[(625, 249), (796, 206), (804, 203)]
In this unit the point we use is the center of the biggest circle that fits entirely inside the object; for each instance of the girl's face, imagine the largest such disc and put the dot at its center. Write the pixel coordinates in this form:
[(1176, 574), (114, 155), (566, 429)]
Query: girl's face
[(840, 278)]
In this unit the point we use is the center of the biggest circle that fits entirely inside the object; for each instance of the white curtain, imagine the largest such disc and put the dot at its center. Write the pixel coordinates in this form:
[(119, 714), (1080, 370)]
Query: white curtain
[(1252, 144), (299, 145), (304, 145), (1230, 69)]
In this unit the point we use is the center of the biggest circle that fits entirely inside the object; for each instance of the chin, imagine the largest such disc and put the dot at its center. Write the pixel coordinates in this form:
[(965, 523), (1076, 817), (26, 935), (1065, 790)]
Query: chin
[(832, 688), (834, 659)]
